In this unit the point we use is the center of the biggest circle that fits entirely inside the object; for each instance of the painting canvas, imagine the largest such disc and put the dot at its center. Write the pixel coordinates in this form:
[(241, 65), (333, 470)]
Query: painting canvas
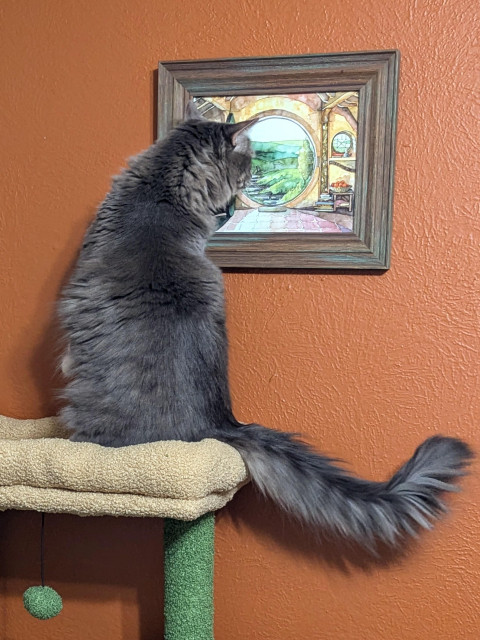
[(322, 184), (303, 169)]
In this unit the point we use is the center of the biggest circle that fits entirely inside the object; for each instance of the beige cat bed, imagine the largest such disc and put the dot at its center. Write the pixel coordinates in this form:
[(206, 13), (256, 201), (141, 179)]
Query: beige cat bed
[(41, 470)]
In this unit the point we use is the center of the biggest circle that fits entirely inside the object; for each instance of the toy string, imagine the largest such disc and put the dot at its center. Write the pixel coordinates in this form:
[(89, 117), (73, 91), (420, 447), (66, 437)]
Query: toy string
[(42, 550)]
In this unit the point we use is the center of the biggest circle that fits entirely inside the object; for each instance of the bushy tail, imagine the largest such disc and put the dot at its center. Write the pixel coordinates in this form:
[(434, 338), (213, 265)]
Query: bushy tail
[(314, 489)]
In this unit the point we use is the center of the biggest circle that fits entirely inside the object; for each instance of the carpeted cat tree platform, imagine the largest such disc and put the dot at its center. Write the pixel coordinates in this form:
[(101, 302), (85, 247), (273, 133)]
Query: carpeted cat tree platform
[(41, 470)]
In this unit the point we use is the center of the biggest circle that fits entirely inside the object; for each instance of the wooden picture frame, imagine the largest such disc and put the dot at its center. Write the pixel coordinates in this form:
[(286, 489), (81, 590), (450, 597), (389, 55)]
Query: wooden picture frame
[(373, 78)]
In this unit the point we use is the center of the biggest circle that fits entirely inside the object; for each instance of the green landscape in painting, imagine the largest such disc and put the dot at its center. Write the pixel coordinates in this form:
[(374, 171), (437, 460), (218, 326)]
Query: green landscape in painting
[(281, 170)]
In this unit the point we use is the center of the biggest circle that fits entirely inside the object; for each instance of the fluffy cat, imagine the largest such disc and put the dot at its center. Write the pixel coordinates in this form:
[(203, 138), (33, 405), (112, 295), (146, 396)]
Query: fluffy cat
[(144, 316)]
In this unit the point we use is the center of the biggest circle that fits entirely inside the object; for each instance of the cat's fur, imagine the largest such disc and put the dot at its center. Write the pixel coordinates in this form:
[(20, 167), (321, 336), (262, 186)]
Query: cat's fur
[(144, 315)]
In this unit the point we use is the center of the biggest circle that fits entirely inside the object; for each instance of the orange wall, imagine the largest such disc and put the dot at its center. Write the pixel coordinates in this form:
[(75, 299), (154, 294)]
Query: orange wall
[(366, 366)]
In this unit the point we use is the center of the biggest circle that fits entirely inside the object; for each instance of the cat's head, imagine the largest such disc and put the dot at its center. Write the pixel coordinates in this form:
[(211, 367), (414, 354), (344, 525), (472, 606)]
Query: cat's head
[(218, 156)]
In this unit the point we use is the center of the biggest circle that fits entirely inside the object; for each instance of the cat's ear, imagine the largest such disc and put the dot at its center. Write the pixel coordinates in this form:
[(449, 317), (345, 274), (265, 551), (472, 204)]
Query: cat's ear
[(192, 113), (238, 131)]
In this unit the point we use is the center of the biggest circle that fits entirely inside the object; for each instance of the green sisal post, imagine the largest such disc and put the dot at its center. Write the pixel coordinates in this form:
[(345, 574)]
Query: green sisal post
[(189, 550)]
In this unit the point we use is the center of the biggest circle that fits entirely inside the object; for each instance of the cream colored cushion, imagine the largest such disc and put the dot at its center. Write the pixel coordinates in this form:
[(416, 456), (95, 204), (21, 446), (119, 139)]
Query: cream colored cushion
[(41, 469)]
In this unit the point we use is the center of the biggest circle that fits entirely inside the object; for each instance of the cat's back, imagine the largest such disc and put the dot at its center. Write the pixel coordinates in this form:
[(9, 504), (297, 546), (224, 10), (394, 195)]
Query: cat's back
[(140, 253), (144, 316)]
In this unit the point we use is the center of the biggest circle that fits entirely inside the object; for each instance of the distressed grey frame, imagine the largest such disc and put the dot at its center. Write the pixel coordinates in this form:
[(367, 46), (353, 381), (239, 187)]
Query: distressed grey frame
[(374, 75)]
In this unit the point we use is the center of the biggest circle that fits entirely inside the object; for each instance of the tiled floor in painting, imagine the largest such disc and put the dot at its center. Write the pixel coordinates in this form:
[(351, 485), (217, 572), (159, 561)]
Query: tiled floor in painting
[(291, 220)]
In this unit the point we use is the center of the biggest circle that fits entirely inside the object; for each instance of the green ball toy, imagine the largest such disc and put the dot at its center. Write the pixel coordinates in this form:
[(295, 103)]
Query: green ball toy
[(42, 602)]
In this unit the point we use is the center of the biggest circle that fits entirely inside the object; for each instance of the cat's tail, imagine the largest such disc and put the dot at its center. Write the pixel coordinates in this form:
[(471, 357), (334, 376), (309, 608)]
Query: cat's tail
[(317, 491)]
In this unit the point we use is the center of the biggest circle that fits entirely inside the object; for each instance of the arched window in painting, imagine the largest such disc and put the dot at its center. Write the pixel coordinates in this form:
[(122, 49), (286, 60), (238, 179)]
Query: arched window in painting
[(343, 145), (284, 161)]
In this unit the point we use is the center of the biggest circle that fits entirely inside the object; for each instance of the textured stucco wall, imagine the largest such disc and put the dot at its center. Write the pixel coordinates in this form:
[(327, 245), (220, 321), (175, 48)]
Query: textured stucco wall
[(366, 366)]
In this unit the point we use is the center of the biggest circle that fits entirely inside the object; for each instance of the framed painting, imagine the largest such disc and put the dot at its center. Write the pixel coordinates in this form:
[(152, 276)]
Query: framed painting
[(322, 174)]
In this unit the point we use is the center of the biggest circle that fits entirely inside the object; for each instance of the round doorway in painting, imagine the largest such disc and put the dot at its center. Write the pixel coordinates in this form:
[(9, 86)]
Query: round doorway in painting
[(284, 161)]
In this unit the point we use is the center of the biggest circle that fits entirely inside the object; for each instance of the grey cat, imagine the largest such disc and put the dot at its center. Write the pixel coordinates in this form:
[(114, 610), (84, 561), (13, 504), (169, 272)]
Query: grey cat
[(144, 316)]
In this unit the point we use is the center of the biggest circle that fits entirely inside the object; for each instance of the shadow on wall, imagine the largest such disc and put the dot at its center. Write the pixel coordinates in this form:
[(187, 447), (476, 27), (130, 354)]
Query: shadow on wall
[(249, 508)]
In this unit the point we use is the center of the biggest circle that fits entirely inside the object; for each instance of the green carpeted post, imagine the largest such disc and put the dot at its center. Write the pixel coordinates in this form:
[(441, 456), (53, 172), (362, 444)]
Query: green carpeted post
[(189, 551)]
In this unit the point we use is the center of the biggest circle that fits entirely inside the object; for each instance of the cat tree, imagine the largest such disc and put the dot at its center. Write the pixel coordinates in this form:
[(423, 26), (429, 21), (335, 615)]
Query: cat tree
[(184, 483)]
